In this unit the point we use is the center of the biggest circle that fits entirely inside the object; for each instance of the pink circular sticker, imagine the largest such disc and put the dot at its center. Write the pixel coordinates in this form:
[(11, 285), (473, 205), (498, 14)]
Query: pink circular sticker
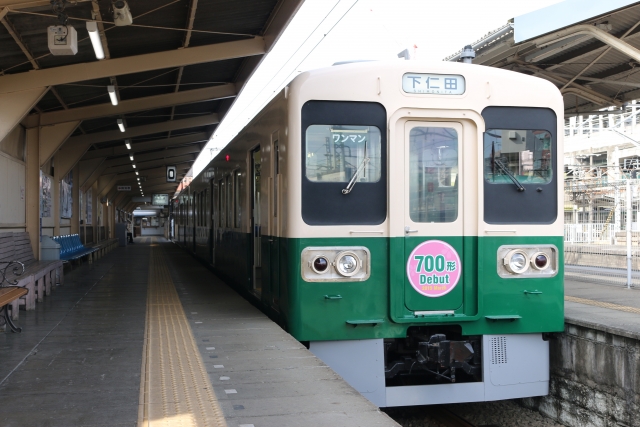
[(433, 268)]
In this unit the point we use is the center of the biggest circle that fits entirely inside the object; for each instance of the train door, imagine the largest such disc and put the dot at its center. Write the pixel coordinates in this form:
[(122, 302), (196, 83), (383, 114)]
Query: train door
[(256, 228), (274, 238), (433, 217)]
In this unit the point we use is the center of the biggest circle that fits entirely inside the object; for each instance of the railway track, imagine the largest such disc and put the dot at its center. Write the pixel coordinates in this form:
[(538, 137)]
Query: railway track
[(439, 416), (450, 419)]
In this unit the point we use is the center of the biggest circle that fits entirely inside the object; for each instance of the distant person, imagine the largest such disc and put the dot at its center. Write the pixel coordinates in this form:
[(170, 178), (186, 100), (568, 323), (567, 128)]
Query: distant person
[(129, 231)]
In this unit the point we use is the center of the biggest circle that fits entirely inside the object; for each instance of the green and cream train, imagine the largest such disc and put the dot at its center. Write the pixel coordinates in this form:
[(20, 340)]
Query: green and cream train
[(402, 220)]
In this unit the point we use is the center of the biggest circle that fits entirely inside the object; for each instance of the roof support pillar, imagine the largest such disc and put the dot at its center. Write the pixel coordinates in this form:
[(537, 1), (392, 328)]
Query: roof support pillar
[(32, 190), (75, 209)]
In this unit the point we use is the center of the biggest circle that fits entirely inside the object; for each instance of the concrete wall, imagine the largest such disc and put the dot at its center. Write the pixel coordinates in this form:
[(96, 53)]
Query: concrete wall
[(12, 181), (595, 378)]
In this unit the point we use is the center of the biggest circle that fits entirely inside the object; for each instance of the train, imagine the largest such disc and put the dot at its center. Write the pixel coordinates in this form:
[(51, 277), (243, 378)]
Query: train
[(401, 219)]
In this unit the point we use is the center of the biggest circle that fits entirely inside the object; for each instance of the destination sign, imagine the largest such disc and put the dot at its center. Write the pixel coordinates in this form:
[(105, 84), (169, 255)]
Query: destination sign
[(437, 84)]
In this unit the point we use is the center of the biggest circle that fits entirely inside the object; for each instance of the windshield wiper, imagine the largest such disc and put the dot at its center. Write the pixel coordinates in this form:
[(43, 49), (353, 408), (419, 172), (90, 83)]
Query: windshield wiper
[(352, 183), (510, 174)]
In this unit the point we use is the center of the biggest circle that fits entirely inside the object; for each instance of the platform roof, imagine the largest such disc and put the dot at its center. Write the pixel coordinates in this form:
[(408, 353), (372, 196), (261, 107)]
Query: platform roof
[(589, 48), (177, 71)]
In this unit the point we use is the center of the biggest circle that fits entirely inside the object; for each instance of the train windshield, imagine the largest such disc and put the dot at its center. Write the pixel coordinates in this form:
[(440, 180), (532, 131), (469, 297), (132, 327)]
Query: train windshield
[(337, 153), (517, 156)]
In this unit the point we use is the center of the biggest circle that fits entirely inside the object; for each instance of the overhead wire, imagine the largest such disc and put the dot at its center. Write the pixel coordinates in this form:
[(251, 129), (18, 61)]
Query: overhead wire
[(298, 49), (2, 72), (155, 27)]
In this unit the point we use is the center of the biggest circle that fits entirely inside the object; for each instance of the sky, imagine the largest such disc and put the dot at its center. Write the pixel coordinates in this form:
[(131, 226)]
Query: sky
[(324, 32)]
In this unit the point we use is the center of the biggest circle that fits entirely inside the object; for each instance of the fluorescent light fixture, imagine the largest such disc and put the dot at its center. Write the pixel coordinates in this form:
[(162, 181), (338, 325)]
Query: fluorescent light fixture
[(137, 173), (112, 94), (134, 166), (94, 35), (131, 157), (138, 178), (127, 142), (121, 125)]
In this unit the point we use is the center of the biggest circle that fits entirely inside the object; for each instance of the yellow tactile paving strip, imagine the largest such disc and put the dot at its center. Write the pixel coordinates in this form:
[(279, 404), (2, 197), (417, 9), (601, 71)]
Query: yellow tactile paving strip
[(603, 304), (175, 389)]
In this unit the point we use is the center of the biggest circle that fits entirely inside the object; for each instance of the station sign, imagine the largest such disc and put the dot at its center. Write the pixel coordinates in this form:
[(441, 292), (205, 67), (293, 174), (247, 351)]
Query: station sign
[(436, 84), (124, 188), (159, 199)]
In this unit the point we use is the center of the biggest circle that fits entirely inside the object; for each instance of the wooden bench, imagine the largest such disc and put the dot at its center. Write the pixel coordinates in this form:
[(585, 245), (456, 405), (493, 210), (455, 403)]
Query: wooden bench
[(104, 247), (38, 275), (8, 296)]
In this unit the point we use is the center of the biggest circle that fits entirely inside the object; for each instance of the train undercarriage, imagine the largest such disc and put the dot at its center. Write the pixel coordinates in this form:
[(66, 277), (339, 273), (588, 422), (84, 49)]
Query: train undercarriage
[(432, 356)]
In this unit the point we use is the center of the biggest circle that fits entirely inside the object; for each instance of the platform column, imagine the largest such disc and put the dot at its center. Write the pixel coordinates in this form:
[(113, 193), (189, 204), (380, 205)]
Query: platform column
[(32, 190), (75, 210)]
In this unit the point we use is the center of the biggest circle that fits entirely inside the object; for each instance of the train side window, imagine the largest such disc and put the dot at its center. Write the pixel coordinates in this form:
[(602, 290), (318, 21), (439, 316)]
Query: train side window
[(519, 160), (344, 163), (433, 174)]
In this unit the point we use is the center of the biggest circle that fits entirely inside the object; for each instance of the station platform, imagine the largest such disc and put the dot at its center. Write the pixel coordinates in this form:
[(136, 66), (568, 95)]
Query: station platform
[(147, 336), (605, 307)]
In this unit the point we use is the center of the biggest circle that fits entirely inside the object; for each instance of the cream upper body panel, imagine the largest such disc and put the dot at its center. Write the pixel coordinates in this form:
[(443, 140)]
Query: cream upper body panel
[(381, 82)]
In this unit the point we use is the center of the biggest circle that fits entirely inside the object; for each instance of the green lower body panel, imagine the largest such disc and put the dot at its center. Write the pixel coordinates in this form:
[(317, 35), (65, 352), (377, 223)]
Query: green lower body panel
[(384, 305)]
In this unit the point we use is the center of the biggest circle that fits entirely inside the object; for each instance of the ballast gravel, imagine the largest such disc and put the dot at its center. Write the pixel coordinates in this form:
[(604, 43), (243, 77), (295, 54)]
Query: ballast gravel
[(484, 414)]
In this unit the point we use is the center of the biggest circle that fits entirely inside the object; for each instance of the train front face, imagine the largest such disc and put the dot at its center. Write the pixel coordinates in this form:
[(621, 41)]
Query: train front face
[(426, 229)]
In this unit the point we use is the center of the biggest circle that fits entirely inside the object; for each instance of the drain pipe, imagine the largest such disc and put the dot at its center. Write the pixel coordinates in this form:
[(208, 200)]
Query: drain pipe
[(468, 54)]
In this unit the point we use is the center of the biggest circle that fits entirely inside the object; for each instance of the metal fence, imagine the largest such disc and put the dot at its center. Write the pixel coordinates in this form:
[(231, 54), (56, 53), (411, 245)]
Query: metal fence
[(600, 232)]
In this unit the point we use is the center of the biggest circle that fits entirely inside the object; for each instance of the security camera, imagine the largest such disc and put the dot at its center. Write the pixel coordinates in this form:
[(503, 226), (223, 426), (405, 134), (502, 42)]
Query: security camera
[(121, 13)]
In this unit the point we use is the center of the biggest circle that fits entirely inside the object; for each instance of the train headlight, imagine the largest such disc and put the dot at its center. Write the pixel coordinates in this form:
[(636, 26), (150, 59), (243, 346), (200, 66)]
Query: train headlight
[(335, 264), (516, 261), (540, 261), (347, 263), (527, 261), (320, 264)]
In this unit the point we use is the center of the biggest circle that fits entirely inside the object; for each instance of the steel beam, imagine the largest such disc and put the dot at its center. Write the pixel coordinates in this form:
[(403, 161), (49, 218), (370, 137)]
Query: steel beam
[(161, 187), (576, 89), (131, 106), (106, 183), (151, 173), (15, 106), (133, 64), (595, 32), (152, 164), (164, 154), (86, 171), (29, 4), (147, 145), (52, 138), (114, 135)]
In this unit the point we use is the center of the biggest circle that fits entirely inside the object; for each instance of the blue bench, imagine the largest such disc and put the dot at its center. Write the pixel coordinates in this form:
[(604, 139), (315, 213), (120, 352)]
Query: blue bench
[(72, 249)]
